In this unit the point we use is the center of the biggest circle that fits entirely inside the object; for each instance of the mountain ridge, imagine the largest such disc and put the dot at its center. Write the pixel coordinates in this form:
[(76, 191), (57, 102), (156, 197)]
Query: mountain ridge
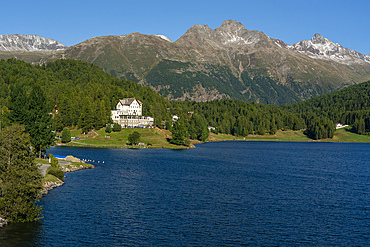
[(20, 42), (229, 61)]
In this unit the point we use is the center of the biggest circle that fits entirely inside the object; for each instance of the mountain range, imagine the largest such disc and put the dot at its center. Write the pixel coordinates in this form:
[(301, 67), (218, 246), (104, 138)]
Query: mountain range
[(206, 64)]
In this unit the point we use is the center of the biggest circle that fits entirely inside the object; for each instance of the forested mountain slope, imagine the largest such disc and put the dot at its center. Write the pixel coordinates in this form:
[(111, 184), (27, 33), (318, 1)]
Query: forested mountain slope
[(349, 106), (84, 95)]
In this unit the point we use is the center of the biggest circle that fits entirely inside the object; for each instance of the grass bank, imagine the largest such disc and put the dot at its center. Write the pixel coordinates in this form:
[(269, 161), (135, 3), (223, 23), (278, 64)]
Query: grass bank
[(152, 138), (340, 135), (156, 138)]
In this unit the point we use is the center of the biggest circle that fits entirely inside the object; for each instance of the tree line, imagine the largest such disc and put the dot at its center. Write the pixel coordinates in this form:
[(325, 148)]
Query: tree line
[(81, 95), (349, 106)]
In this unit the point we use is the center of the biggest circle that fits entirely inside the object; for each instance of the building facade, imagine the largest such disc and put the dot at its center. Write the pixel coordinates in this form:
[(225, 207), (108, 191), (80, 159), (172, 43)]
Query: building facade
[(128, 114)]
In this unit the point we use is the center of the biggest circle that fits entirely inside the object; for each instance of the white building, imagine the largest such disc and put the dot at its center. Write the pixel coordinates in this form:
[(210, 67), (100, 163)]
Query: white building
[(128, 113)]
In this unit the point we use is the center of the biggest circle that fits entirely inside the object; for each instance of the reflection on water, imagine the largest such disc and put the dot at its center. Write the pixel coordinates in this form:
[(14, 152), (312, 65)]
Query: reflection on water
[(21, 234)]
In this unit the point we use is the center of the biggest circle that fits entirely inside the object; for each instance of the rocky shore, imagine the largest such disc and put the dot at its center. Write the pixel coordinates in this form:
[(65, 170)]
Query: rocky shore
[(66, 166), (50, 185)]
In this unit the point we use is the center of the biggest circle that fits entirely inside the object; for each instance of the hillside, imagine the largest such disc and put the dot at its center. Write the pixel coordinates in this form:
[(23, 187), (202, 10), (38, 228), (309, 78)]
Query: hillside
[(82, 95), (227, 62), (350, 106)]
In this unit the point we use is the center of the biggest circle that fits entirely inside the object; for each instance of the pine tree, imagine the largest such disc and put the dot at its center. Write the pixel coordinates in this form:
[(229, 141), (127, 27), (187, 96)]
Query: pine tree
[(86, 118), (178, 133), (66, 135), (39, 121), (20, 178)]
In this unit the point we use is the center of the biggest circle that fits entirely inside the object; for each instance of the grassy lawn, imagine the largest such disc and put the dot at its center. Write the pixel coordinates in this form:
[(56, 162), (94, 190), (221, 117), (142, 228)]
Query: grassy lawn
[(289, 135), (340, 135), (100, 138), (344, 135), (42, 161), (158, 138), (50, 178)]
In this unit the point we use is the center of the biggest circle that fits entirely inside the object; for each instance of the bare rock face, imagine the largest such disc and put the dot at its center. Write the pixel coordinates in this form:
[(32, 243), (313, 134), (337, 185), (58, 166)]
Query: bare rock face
[(322, 48), (18, 42)]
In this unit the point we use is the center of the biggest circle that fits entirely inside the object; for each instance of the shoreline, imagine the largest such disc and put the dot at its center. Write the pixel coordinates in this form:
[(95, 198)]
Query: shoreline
[(66, 166), (50, 185), (158, 139)]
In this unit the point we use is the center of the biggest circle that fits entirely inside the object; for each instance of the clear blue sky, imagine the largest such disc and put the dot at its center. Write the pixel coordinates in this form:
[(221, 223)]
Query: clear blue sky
[(71, 22)]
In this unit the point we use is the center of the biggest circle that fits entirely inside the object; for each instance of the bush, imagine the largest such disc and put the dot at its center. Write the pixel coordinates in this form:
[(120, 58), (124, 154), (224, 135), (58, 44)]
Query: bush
[(134, 137), (117, 127), (55, 172), (108, 129), (54, 161), (66, 135)]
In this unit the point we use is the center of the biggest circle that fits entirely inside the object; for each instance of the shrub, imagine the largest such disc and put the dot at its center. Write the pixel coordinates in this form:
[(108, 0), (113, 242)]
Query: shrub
[(117, 127), (108, 129), (55, 172), (54, 161), (66, 135), (134, 137)]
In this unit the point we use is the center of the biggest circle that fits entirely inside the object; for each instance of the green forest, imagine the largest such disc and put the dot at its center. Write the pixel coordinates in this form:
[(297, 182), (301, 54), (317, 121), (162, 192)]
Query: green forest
[(76, 94), (350, 106)]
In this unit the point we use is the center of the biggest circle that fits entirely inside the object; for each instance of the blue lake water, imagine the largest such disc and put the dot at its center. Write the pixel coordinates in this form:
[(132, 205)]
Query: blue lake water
[(218, 194)]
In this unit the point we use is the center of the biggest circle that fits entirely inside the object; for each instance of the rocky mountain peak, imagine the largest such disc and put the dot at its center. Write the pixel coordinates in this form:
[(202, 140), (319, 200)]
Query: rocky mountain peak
[(318, 39), (232, 26), (323, 48), (198, 29), (19, 42)]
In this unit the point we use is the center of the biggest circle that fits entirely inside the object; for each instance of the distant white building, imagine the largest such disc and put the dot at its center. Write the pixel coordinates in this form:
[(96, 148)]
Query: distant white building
[(128, 113), (339, 126)]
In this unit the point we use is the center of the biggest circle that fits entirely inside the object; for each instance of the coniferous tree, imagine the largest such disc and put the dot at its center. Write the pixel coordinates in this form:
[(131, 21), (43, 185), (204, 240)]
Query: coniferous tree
[(66, 135), (20, 178), (18, 104), (4, 117), (178, 133), (86, 120), (39, 121)]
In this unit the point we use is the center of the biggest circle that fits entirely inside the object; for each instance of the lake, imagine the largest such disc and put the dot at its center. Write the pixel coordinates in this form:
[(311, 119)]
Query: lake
[(222, 193)]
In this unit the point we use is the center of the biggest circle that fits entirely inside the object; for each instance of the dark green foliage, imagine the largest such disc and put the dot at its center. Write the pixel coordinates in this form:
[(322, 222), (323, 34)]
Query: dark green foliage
[(56, 172), (198, 128), (320, 128), (108, 129), (20, 178), (359, 126), (28, 106), (4, 116), (134, 138), (178, 133), (168, 125), (347, 106), (66, 135), (85, 95), (54, 161), (234, 117), (117, 127), (39, 121)]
